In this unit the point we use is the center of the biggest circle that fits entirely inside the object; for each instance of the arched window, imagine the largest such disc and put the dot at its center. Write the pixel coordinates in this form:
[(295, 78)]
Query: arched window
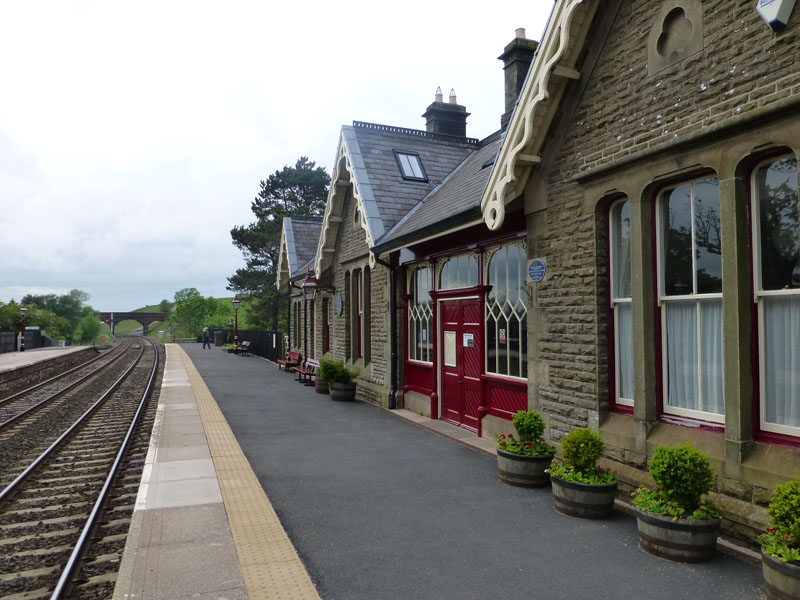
[(690, 295), (348, 319), (507, 314), (366, 316), (420, 316), (459, 272), (776, 262), (619, 225)]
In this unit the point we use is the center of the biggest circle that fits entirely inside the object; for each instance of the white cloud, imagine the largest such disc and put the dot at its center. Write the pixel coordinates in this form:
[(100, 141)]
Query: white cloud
[(133, 137)]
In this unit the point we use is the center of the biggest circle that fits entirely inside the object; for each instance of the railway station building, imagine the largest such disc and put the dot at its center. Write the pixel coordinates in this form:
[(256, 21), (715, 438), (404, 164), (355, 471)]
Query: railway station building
[(624, 254)]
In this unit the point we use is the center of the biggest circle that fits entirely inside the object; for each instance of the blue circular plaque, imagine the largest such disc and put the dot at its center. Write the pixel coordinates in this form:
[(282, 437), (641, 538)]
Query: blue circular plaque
[(536, 270)]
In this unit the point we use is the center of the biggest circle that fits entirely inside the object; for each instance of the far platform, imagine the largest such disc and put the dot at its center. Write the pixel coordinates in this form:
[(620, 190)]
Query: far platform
[(16, 360)]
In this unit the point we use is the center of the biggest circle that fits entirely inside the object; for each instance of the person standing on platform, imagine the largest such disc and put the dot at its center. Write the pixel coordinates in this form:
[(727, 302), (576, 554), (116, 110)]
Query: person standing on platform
[(206, 338)]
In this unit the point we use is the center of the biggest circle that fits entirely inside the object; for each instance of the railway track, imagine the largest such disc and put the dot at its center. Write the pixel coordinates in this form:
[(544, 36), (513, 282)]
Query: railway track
[(65, 514)]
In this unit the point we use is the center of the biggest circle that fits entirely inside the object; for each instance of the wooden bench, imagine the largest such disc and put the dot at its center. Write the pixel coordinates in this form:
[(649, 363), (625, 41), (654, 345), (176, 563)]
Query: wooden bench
[(291, 361), (244, 349), (305, 374)]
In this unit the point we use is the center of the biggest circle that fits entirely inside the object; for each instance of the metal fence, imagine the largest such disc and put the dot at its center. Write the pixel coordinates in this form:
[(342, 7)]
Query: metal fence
[(267, 344)]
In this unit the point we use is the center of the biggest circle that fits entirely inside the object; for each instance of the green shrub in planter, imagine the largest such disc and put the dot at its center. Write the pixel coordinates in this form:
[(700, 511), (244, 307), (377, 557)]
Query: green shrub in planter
[(334, 371), (529, 426), (782, 540), (683, 475), (581, 449)]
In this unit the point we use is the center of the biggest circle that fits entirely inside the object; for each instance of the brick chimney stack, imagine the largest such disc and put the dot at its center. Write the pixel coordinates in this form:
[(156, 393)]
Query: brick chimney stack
[(517, 57), (447, 118)]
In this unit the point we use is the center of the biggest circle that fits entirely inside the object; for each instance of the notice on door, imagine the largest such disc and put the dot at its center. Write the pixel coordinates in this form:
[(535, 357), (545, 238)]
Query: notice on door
[(502, 336), (469, 340)]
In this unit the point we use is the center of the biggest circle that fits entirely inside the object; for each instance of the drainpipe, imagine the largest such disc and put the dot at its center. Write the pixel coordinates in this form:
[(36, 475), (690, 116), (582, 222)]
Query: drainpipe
[(392, 328)]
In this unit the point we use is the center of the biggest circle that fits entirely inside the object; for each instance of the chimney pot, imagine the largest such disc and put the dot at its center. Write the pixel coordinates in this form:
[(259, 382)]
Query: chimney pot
[(446, 118), (438, 97), (452, 97), (520, 32)]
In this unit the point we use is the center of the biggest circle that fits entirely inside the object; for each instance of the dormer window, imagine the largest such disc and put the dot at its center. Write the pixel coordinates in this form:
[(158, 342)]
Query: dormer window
[(410, 166)]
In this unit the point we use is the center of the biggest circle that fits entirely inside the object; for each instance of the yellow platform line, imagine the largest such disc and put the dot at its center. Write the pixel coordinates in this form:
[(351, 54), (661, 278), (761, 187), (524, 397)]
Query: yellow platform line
[(270, 565)]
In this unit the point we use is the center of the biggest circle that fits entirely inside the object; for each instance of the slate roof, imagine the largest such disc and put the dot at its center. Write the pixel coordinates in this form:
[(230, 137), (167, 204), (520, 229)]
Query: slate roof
[(457, 199), (302, 235), (383, 183)]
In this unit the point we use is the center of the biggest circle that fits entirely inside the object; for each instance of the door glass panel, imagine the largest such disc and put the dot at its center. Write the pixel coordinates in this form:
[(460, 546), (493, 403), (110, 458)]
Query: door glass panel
[(450, 348)]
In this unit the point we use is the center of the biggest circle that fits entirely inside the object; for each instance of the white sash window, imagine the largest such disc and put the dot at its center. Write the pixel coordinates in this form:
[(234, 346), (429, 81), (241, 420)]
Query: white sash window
[(776, 259), (620, 259), (690, 295)]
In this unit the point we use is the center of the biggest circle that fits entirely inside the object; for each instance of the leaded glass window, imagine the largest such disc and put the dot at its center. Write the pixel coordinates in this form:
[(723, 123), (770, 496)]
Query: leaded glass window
[(420, 316), (507, 314), (459, 272)]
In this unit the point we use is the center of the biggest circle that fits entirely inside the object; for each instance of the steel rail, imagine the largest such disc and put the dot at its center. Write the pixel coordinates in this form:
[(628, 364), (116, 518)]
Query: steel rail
[(21, 477), (63, 391), (55, 378), (93, 516)]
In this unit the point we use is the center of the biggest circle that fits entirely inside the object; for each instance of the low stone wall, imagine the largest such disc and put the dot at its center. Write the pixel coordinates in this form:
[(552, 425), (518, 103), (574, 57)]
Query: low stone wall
[(23, 377)]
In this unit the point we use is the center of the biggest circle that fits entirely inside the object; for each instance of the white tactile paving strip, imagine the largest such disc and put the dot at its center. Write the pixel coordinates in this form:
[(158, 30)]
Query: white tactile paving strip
[(203, 526)]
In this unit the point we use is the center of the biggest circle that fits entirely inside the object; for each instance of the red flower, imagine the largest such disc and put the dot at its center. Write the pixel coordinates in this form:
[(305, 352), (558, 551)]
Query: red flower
[(772, 530)]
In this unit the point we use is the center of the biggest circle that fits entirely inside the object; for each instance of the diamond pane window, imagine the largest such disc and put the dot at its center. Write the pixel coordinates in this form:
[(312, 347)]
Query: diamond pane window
[(507, 314), (410, 166), (420, 316)]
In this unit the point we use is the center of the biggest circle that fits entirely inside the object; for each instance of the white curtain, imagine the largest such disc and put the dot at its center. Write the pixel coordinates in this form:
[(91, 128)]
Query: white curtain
[(625, 354), (682, 354), (782, 359), (711, 356)]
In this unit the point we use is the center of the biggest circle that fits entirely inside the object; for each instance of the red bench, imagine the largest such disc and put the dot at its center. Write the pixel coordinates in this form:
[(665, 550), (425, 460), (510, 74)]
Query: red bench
[(306, 373), (290, 362)]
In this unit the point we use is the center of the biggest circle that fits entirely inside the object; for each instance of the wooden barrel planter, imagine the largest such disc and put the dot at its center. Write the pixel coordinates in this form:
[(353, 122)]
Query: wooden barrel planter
[(781, 580), (321, 386), (682, 540), (523, 471), (343, 392), (584, 500)]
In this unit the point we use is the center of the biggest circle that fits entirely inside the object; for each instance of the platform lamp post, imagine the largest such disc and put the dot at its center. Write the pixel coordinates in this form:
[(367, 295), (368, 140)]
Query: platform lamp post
[(22, 311), (235, 303), (309, 286)]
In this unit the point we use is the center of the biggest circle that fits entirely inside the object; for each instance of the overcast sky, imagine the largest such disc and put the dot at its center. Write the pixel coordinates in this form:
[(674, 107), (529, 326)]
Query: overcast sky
[(133, 136)]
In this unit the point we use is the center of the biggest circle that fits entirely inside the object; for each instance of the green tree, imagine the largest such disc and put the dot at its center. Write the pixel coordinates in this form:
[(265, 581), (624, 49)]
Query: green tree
[(197, 312), (165, 305), (292, 191), (185, 294), (87, 330), (60, 315)]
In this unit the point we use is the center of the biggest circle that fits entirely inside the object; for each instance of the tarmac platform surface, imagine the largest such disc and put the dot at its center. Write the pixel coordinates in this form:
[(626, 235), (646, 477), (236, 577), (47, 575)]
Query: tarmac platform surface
[(379, 508)]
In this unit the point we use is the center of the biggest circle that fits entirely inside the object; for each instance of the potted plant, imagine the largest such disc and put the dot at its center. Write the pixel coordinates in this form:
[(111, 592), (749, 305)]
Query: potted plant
[(780, 545), (339, 378), (523, 460), (673, 521), (581, 488)]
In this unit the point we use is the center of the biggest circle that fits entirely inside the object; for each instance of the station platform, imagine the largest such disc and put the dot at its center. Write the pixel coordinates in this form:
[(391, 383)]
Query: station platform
[(16, 360), (258, 487), (203, 526)]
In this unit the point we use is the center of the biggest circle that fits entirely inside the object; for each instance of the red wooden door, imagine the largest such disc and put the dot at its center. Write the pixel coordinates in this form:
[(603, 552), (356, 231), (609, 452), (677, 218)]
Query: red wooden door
[(461, 343)]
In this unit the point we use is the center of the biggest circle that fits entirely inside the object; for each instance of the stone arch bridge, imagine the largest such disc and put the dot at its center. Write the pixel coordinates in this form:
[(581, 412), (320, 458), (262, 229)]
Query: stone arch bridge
[(143, 318)]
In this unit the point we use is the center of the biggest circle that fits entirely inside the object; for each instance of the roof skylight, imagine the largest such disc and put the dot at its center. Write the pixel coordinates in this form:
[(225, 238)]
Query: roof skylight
[(410, 166)]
